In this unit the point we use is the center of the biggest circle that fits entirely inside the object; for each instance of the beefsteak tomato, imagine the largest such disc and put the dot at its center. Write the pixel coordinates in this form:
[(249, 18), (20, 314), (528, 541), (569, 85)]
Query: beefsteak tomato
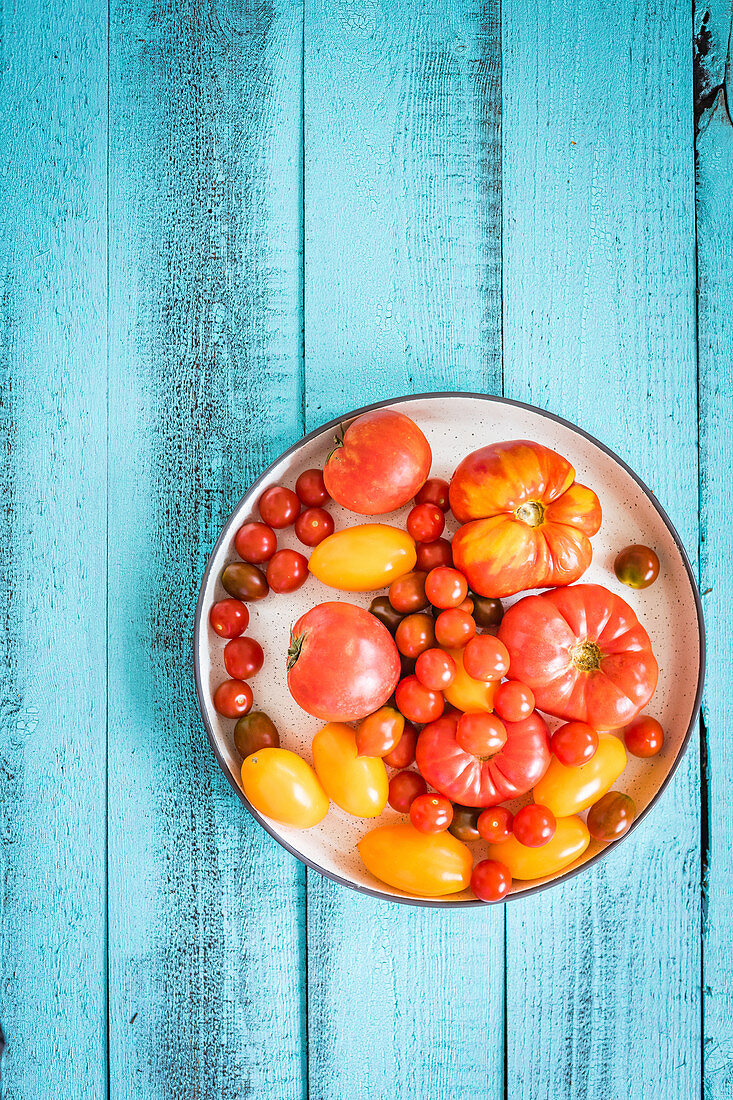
[(584, 654), (526, 521)]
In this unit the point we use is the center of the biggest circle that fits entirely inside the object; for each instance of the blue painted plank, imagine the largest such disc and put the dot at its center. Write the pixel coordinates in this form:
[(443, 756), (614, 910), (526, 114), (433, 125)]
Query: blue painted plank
[(206, 911), (599, 306), (53, 392)]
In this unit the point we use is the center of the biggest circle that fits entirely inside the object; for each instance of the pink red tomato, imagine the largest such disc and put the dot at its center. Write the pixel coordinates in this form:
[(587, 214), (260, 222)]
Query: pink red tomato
[(434, 491), (435, 669), (243, 658), (404, 788), (415, 634), (278, 506), (644, 737), (453, 628), (313, 526), (513, 701), (486, 658), (431, 813), (287, 570), (425, 523), (229, 618), (403, 754), (311, 489), (418, 703), (445, 587), (495, 824), (407, 593), (574, 744), (432, 554), (244, 581), (480, 733), (255, 542), (534, 826), (233, 698), (491, 880)]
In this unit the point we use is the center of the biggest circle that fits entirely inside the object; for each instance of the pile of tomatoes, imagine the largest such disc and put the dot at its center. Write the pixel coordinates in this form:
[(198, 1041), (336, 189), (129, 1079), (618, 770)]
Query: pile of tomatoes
[(435, 699)]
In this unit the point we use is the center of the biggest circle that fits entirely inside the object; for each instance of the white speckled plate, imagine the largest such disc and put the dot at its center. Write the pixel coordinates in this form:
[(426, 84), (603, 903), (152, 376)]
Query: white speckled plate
[(456, 424)]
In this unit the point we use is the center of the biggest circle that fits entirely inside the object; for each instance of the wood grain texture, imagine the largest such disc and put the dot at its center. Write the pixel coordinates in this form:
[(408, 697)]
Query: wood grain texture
[(402, 285), (53, 388), (599, 306), (206, 911)]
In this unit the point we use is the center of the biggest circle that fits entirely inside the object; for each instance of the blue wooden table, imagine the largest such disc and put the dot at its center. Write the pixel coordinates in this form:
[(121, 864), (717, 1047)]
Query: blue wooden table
[(223, 224)]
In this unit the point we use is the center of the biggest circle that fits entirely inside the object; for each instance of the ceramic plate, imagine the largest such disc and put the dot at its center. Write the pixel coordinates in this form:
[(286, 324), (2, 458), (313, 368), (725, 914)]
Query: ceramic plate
[(454, 425)]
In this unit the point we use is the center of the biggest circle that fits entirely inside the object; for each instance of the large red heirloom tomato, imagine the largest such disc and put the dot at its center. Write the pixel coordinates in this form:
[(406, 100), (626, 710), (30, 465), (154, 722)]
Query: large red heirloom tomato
[(584, 654), (379, 463), (484, 781), (526, 520), (342, 663)]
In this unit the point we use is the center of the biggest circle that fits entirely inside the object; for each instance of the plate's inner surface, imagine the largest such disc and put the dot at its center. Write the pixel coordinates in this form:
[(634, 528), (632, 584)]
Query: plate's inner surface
[(454, 426)]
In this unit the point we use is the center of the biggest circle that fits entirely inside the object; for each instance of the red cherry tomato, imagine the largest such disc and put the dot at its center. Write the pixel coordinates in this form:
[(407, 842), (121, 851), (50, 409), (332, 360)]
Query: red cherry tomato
[(233, 698), (513, 701), (415, 634), (244, 581), (311, 488), (644, 737), (404, 788), (286, 571), (480, 733), (229, 618), (432, 554), (491, 880), (495, 824), (435, 669), (407, 593), (534, 826), (434, 491), (278, 506), (431, 813), (418, 703), (255, 542), (574, 744), (486, 658), (403, 754), (445, 587), (243, 657), (313, 526), (453, 628), (425, 523)]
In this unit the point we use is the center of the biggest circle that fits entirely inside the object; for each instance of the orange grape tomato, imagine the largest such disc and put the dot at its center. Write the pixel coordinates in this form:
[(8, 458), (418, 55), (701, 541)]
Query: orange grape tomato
[(454, 628), (569, 842), (570, 790), (281, 785), (379, 734), (429, 864), (358, 784)]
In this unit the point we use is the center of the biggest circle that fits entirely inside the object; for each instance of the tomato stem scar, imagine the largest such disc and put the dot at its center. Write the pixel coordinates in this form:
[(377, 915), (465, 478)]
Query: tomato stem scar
[(531, 512), (586, 656)]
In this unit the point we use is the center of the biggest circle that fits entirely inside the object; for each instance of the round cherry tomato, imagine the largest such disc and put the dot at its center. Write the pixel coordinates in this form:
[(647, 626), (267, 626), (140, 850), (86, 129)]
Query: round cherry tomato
[(380, 733), (278, 506), (415, 634), (425, 523), (311, 488), (313, 526), (445, 587), (574, 743), (407, 593), (434, 491), (244, 581), (464, 824), (611, 816), (432, 554), (495, 824), (491, 880), (486, 658), (431, 813), (487, 612), (637, 566), (534, 826), (453, 628), (404, 788), (233, 698), (255, 542), (255, 731), (243, 658), (418, 703), (403, 754), (513, 701), (382, 609), (435, 669), (481, 734), (644, 737), (282, 786), (286, 571), (229, 618)]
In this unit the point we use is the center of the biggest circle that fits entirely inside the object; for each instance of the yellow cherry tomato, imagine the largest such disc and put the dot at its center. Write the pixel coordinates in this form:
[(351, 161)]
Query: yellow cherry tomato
[(430, 864), (358, 784), (364, 557), (468, 694), (281, 785), (570, 841), (568, 790)]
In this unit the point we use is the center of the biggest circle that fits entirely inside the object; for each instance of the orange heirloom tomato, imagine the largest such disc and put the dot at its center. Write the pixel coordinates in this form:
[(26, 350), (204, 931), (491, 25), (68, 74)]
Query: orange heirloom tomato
[(526, 520), (569, 790), (569, 842), (281, 785), (358, 784), (363, 558), (464, 692), (431, 864)]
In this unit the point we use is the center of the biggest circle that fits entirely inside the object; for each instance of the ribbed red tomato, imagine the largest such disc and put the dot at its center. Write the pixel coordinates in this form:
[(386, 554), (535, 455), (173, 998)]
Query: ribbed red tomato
[(484, 781), (584, 654)]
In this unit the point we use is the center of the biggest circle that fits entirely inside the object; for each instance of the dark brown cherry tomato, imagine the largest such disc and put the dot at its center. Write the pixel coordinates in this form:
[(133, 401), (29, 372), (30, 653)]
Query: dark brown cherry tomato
[(380, 733), (255, 731), (244, 581), (486, 658), (464, 823), (487, 612), (229, 618), (491, 880), (278, 506), (434, 491), (644, 737), (407, 593), (415, 634), (286, 571), (611, 816), (243, 658), (435, 669), (417, 703), (255, 542), (313, 526), (403, 754), (432, 554), (534, 826), (431, 813), (453, 628), (574, 744), (513, 701), (404, 788), (425, 523), (495, 824), (480, 733), (311, 488), (382, 609), (637, 566), (233, 698), (445, 587)]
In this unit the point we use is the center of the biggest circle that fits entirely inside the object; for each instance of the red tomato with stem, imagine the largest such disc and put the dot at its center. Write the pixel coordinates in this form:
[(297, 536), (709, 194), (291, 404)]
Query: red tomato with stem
[(287, 570), (243, 658), (425, 523), (415, 634), (313, 526), (311, 489), (434, 491), (491, 880), (404, 788), (495, 824), (454, 628), (418, 703), (534, 825), (403, 754), (432, 554), (513, 701), (486, 658), (644, 737), (407, 593), (255, 542), (229, 618), (431, 813), (445, 587), (480, 733), (574, 744), (233, 698), (435, 669), (278, 506)]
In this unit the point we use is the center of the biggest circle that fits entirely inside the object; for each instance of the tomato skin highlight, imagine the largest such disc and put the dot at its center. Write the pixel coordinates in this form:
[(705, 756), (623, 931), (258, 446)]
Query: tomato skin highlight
[(569, 842), (358, 784), (229, 618), (430, 865), (570, 790), (284, 787), (363, 558)]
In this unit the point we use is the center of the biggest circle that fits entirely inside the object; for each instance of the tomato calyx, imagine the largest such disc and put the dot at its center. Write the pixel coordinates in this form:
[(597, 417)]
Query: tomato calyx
[(586, 656), (532, 512), (294, 650), (338, 441)]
